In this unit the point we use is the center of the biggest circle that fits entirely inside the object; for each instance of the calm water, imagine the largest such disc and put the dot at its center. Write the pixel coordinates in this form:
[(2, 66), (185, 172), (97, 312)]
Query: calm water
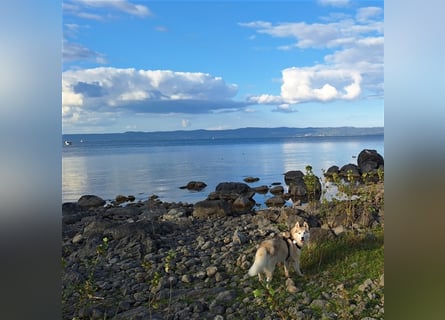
[(108, 166)]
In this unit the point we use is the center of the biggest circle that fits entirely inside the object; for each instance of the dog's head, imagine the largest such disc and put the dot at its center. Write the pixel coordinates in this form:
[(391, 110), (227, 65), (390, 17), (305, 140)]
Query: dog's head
[(300, 234)]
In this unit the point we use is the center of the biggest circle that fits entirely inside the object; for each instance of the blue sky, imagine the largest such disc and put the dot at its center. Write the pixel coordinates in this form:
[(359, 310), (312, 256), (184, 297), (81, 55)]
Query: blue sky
[(185, 65)]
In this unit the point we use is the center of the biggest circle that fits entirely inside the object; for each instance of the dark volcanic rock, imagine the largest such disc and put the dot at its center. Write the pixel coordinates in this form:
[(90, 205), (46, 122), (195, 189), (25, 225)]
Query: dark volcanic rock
[(194, 185), (293, 177), (331, 171), (275, 201), (211, 208), (231, 189), (90, 201), (350, 167), (369, 159), (277, 190), (251, 179), (243, 204), (261, 189)]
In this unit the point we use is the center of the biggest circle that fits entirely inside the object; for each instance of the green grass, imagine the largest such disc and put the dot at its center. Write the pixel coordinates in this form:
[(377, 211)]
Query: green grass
[(336, 256), (345, 262)]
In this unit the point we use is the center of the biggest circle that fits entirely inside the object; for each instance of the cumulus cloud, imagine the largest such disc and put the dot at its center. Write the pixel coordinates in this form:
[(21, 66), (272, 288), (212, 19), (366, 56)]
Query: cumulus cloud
[(313, 84), (144, 91), (353, 67)]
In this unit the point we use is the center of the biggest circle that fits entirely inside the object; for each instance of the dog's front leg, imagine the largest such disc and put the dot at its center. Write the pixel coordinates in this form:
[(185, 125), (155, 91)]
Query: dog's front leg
[(286, 270), (297, 269)]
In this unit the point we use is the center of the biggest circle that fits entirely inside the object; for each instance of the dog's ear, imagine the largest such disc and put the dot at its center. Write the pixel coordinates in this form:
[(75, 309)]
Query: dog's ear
[(306, 226), (297, 224)]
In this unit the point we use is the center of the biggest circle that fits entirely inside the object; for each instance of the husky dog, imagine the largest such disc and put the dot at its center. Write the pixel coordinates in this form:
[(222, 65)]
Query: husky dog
[(285, 248)]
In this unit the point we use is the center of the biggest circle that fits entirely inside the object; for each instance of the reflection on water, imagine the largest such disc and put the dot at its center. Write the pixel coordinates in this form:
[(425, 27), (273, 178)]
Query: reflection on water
[(162, 170)]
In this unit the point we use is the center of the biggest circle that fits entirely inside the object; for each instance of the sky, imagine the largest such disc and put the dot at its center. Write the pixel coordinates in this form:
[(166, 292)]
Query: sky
[(215, 65)]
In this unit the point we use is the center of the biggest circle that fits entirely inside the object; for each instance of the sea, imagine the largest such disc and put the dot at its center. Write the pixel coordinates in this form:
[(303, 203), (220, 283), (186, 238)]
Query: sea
[(108, 165)]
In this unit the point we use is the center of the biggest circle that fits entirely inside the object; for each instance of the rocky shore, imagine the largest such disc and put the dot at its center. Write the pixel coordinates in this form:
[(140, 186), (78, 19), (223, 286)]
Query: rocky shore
[(156, 260)]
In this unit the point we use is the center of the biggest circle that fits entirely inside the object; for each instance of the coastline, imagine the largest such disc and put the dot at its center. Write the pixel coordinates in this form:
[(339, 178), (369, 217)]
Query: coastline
[(165, 260)]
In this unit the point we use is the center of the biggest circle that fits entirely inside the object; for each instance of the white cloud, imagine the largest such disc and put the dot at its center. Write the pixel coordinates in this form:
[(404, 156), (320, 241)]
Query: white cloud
[(143, 91), (334, 3), (74, 51), (284, 108), (313, 84), (79, 7), (368, 13), (354, 68)]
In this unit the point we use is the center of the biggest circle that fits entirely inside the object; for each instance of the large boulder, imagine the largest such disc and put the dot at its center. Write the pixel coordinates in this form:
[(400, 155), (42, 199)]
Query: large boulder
[(275, 201), (232, 190), (90, 201), (298, 189), (238, 195), (293, 177), (369, 162), (243, 204), (329, 174), (211, 208), (350, 167)]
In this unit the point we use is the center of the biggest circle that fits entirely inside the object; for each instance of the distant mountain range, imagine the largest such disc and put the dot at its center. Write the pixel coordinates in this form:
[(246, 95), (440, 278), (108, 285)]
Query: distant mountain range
[(242, 133), (246, 133)]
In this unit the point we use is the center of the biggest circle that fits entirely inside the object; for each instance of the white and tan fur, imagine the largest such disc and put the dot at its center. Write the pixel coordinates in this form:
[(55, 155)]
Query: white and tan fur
[(285, 248)]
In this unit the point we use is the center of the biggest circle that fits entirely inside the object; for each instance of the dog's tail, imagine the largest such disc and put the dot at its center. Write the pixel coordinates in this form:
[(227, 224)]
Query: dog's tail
[(259, 263)]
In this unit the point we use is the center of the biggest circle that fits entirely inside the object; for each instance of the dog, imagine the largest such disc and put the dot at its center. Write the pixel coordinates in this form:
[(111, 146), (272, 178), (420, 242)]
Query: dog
[(285, 248)]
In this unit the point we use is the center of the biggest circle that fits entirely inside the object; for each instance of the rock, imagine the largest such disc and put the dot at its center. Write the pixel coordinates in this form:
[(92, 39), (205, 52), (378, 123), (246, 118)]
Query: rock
[(122, 213), (121, 199), (251, 179), (77, 238), (343, 173), (277, 190), (293, 176), (194, 185), (232, 190), (290, 286), (211, 271), (261, 189), (331, 171), (365, 286), (318, 303), (70, 208), (275, 201), (226, 295), (239, 237), (369, 160), (174, 214), (338, 230), (298, 188), (186, 278), (211, 208), (243, 204), (90, 201)]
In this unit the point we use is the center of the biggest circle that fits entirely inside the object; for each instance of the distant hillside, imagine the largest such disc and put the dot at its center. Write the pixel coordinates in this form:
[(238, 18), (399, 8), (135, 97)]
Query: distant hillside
[(243, 133), (246, 133)]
